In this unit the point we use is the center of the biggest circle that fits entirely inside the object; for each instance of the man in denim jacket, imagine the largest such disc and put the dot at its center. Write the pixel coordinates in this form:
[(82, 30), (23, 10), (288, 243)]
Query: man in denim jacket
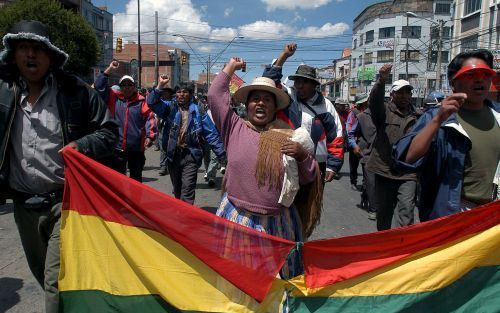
[(455, 147), (186, 127)]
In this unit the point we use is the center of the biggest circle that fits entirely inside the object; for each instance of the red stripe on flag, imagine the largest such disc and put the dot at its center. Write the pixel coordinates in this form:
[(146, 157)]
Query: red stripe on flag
[(329, 261), (247, 258)]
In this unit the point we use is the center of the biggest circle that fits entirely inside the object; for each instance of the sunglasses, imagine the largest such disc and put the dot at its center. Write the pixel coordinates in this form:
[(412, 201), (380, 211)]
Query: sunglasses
[(127, 85)]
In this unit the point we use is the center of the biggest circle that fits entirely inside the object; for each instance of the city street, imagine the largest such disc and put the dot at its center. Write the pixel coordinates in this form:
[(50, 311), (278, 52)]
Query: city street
[(19, 291)]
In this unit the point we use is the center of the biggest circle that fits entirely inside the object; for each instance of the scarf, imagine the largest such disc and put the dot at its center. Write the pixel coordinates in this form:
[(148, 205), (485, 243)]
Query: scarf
[(269, 168)]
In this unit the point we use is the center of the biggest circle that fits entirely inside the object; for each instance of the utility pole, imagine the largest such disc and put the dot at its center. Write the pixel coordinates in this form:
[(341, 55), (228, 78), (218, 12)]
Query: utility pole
[(208, 72), (440, 47), (407, 45), (139, 58), (157, 74), (363, 70), (396, 43)]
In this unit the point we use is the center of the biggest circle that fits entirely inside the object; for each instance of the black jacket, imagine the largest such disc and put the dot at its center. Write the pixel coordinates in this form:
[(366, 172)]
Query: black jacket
[(85, 119)]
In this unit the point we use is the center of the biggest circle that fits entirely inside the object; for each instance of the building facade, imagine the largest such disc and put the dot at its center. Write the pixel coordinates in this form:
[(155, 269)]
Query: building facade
[(476, 25), (335, 79), (405, 33), (170, 62), (102, 22)]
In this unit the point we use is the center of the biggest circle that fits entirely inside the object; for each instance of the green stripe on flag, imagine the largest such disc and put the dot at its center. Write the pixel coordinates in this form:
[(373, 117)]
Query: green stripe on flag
[(476, 291), (84, 301)]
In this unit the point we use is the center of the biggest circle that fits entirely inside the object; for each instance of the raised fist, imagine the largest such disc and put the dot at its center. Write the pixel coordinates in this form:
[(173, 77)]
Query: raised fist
[(163, 81)]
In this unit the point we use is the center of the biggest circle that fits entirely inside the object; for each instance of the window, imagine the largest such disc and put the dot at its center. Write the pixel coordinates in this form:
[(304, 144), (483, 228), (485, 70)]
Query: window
[(360, 60), (354, 63), (414, 55), (386, 32), (369, 36), (411, 32), (410, 76), (443, 8), (355, 44), (444, 56), (435, 32), (360, 40), (431, 84), (369, 58), (469, 43), (470, 22), (471, 6), (385, 56)]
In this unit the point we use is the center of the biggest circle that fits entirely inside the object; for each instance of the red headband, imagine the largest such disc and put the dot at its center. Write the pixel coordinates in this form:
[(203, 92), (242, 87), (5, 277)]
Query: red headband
[(475, 67)]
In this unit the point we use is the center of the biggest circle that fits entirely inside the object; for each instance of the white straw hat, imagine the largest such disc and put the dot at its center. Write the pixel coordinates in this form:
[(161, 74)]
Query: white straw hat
[(266, 84)]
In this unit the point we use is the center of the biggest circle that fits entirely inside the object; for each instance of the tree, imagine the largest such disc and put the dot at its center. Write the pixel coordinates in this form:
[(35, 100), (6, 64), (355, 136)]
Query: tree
[(68, 30)]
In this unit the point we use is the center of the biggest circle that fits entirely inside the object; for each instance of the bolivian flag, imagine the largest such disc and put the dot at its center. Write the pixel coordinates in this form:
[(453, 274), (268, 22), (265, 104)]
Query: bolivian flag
[(446, 265), (126, 247)]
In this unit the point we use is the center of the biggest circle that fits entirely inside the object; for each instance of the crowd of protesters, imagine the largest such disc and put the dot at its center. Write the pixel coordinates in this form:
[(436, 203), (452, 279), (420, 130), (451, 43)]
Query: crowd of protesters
[(286, 141)]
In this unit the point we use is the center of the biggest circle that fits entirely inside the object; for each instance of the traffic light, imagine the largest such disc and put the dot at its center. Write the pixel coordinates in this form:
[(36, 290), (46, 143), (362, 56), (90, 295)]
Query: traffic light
[(118, 44), (183, 59)]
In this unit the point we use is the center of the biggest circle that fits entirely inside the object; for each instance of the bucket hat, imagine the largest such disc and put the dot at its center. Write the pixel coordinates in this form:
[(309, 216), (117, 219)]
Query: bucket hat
[(305, 71), (34, 31)]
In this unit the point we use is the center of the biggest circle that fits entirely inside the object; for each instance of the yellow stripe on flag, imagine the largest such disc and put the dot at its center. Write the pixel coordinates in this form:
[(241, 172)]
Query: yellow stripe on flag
[(428, 270), (124, 260)]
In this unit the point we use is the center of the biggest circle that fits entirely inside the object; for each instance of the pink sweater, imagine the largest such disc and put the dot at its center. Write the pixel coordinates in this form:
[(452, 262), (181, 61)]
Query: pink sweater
[(242, 146)]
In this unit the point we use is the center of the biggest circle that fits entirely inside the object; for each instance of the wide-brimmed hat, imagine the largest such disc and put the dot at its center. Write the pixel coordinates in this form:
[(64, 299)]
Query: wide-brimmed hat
[(398, 84), (266, 84), (35, 31), (305, 71)]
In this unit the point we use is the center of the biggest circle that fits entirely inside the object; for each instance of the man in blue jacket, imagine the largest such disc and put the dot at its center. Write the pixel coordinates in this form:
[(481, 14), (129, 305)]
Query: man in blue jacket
[(137, 123), (456, 146), (185, 129)]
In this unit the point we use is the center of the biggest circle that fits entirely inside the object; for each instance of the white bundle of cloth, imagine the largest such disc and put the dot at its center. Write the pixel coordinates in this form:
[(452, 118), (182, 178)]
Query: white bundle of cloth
[(291, 176)]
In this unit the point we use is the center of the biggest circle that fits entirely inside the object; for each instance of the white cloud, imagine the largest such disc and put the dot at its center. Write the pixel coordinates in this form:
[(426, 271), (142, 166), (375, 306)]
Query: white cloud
[(272, 5), (326, 30), (228, 11), (174, 16), (183, 17), (223, 33), (265, 30)]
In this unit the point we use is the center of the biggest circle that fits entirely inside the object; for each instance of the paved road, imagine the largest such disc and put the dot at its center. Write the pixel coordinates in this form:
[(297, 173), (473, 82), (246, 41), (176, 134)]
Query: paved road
[(19, 291)]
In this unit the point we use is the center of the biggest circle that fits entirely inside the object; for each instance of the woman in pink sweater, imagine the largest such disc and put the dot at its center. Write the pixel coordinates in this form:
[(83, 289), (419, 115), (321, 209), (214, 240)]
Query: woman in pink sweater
[(255, 148)]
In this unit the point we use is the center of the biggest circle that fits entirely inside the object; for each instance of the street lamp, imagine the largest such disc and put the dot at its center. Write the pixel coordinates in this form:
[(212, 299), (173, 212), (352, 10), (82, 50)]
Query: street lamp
[(440, 24), (210, 63), (217, 57)]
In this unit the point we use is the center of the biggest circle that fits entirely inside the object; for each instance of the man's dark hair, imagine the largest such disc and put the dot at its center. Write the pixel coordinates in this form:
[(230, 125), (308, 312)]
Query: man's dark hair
[(457, 62), (187, 86)]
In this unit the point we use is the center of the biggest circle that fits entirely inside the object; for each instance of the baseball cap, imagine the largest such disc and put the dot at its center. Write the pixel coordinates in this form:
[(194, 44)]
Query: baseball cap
[(126, 77), (398, 84)]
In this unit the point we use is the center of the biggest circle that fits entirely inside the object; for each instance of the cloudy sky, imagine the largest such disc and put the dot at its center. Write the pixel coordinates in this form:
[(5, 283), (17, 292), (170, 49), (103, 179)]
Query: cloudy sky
[(321, 28)]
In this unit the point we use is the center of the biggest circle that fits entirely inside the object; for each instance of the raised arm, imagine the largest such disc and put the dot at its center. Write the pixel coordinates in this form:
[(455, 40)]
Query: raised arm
[(274, 71), (161, 108), (219, 98), (377, 94), (101, 83)]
